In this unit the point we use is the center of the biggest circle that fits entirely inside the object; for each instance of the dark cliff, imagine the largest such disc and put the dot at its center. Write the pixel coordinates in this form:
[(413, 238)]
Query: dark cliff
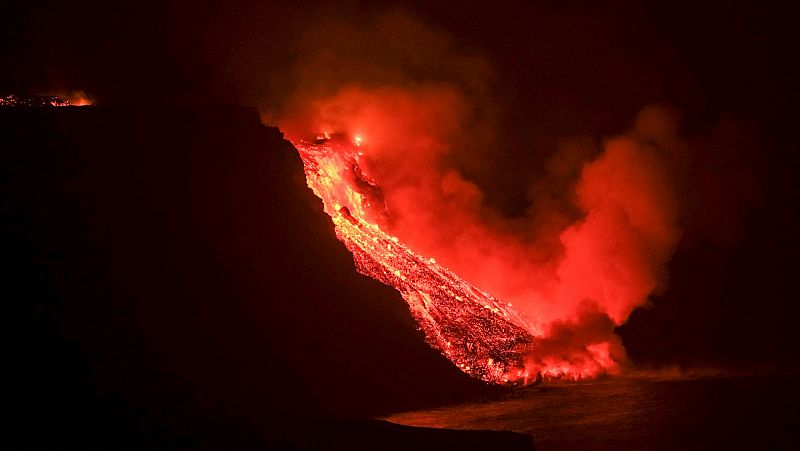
[(170, 281)]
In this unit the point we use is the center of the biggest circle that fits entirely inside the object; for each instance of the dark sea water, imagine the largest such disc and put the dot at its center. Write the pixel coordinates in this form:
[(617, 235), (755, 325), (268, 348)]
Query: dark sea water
[(641, 412)]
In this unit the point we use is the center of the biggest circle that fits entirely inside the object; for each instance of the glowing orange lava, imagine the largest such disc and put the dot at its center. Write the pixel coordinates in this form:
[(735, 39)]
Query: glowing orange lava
[(575, 264), (481, 335), (77, 98)]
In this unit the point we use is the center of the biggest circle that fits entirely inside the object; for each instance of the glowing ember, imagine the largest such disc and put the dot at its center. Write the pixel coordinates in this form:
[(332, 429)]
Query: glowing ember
[(72, 99), (479, 334)]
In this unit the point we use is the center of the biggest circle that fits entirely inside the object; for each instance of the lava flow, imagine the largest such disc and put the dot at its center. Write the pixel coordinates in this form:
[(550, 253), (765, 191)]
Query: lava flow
[(481, 335)]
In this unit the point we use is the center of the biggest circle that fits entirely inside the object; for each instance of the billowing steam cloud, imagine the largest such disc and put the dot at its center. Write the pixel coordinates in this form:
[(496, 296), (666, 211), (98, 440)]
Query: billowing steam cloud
[(582, 257)]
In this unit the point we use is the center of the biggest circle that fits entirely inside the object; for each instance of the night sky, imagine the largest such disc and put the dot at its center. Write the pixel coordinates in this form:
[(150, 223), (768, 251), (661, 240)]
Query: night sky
[(548, 73)]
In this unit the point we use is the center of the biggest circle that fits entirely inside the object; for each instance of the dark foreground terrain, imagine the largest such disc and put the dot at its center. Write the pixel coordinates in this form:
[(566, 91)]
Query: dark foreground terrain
[(644, 412), (170, 283)]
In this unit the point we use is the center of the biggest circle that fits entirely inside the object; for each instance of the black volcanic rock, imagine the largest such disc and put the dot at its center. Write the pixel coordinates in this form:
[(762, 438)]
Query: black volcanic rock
[(170, 282)]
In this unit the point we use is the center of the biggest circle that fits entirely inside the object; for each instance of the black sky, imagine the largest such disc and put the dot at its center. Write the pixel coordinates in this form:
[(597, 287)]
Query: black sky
[(139, 246), (559, 70)]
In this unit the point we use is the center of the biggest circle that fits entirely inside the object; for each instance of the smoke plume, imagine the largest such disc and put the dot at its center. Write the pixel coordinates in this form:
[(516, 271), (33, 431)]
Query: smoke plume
[(600, 226)]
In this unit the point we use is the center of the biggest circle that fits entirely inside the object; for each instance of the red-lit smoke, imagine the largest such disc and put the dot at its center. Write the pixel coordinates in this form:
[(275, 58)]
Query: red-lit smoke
[(78, 98), (576, 276)]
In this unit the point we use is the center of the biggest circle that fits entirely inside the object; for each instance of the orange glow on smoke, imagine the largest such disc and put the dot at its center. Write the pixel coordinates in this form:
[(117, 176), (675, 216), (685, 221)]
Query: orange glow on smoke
[(78, 98), (478, 333), (558, 287)]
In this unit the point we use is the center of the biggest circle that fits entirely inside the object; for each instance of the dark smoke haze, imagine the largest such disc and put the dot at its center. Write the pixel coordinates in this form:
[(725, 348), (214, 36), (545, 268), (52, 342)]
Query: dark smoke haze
[(625, 173), (600, 223), (556, 156)]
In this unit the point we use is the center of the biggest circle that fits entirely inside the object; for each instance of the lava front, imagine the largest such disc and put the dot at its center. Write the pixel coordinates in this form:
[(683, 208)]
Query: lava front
[(481, 335)]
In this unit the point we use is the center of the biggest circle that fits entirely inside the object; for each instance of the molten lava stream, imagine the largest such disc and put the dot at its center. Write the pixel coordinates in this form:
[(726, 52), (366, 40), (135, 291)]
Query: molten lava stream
[(482, 336)]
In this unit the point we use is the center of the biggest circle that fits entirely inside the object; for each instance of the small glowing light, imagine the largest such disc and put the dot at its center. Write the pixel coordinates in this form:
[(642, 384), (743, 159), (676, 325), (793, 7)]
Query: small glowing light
[(357, 140)]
